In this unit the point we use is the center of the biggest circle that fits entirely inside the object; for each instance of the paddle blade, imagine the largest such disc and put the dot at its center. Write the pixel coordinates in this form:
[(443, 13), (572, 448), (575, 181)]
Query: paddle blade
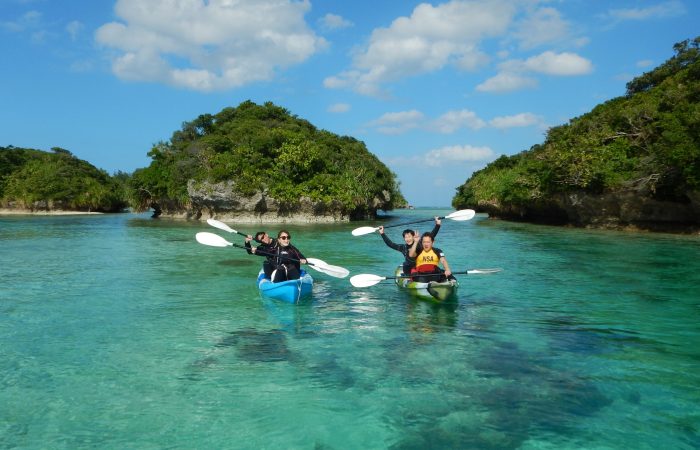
[(483, 271), (463, 214), (211, 239), (363, 230), (220, 225), (322, 266), (365, 280)]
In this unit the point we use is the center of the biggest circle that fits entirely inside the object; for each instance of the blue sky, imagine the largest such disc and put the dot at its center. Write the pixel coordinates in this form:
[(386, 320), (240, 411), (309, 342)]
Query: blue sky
[(436, 90)]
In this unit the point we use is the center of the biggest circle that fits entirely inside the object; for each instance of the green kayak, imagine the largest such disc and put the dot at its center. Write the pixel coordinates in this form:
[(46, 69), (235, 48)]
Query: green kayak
[(438, 292)]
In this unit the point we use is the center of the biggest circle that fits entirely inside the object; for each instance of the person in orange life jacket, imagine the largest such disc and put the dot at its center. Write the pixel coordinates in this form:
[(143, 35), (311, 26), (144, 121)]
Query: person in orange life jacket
[(409, 236), (266, 249), (285, 252), (427, 262)]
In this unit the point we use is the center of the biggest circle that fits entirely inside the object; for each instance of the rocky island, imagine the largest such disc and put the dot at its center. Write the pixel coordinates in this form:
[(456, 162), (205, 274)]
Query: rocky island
[(259, 163), (633, 162)]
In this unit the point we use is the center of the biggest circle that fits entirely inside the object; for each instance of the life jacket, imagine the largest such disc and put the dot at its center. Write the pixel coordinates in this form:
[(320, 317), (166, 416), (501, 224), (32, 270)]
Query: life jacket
[(427, 261)]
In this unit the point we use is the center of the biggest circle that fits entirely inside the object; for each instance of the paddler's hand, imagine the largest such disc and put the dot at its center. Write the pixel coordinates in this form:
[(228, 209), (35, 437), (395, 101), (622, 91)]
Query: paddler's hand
[(303, 261), (381, 229)]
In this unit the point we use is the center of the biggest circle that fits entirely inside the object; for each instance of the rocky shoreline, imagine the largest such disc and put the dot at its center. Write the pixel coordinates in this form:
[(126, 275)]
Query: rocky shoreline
[(43, 212), (623, 210)]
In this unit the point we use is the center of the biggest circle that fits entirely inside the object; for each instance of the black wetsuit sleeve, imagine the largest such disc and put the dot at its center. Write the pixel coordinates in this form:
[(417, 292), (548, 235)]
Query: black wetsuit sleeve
[(248, 248), (389, 243), (434, 233)]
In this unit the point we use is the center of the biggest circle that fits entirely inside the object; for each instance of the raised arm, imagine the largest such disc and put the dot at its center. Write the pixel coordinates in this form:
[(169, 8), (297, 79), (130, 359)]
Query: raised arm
[(388, 241), (436, 228)]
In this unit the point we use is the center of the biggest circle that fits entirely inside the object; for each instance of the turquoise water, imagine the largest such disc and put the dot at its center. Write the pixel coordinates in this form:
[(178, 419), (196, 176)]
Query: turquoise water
[(123, 332)]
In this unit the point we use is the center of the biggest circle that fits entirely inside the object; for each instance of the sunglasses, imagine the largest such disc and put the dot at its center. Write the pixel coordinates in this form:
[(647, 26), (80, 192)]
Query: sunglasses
[(284, 237)]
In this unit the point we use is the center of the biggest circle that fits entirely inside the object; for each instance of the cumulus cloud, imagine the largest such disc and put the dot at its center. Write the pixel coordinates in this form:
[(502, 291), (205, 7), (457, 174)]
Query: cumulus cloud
[(518, 120), (550, 63), (448, 156), (339, 108), (431, 38), (561, 64), (207, 46), (544, 26), (506, 82), (511, 76), (457, 154), (449, 122), (452, 121), (331, 22), (398, 122)]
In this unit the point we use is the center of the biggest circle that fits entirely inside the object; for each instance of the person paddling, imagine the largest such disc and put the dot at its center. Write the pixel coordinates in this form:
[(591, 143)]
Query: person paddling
[(266, 249), (409, 237), (283, 259), (427, 260), (288, 259)]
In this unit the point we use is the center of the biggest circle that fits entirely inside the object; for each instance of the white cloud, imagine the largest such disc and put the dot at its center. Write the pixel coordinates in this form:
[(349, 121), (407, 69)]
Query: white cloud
[(398, 122), (452, 121), (550, 63), (542, 27), (518, 120), (429, 40), (334, 22), (457, 154), (561, 64), (672, 8), (448, 156), (511, 78), (339, 108), (644, 63), (449, 122), (506, 82), (207, 46)]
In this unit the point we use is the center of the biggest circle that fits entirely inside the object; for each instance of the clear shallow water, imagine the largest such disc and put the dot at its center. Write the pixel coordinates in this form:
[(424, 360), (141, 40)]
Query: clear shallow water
[(123, 332)]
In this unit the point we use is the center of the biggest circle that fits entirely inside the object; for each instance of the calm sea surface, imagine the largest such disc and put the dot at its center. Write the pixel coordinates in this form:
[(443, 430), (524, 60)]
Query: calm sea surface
[(120, 331)]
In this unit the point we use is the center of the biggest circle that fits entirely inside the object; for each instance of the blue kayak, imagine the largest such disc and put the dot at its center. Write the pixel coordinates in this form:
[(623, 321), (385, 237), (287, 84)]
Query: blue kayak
[(290, 291)]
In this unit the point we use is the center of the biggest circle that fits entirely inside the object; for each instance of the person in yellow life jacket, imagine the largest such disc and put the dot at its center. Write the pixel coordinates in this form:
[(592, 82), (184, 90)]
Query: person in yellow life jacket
[(428, 260)]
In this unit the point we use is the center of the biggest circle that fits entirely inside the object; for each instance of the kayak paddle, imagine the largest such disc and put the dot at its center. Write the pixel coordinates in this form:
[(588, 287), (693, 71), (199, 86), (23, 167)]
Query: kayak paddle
[(214, 240), (368, 279), (222, 226), (459, 216)]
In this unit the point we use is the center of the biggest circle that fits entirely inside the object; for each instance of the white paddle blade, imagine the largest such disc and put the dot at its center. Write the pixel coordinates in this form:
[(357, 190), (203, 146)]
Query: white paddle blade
[(363, 230), (483, 271), (211, 239), (463, 214), (365, 280), (322, 266), (220, 225)]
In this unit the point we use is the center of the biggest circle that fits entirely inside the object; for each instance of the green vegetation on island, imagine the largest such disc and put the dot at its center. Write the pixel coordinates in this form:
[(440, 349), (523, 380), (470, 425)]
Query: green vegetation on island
[(646, 142), (36, 180), (263, 150)]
